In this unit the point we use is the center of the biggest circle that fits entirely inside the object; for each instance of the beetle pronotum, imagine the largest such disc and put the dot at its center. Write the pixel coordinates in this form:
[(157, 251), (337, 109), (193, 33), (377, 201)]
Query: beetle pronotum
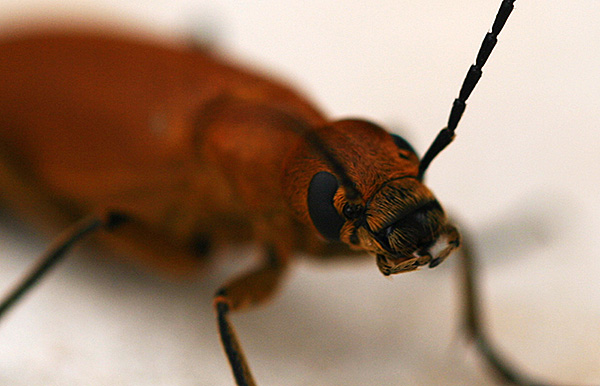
[(436, 126)]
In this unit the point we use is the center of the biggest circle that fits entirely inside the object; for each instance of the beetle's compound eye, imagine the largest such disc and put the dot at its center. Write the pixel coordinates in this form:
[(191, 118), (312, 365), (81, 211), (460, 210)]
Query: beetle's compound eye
[(403, 146), (323, 214)]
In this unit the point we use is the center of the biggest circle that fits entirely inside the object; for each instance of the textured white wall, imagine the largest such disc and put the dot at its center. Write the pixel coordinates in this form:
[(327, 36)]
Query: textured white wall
[(522, 175)]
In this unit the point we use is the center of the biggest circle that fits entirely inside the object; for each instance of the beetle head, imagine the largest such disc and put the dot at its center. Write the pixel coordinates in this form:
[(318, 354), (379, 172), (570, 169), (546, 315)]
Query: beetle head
[(400, 222)]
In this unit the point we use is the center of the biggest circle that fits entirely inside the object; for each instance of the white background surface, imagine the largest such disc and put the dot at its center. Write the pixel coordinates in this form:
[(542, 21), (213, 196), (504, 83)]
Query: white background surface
[(522, 175)]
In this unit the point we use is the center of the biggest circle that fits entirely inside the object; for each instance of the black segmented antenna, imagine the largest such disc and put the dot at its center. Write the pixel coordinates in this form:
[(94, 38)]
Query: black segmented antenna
[(446, 135)]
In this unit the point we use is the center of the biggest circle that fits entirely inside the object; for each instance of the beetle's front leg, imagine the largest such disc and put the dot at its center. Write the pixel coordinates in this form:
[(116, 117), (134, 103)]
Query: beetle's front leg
[(474, 322), (246, 290)]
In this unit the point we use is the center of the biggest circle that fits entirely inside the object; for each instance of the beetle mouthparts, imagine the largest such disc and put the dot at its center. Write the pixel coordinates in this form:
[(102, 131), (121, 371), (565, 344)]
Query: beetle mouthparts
[(435, 262)]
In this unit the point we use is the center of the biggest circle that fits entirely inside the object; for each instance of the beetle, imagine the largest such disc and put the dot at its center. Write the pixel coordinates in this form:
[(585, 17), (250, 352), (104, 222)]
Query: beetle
[(380, 238)]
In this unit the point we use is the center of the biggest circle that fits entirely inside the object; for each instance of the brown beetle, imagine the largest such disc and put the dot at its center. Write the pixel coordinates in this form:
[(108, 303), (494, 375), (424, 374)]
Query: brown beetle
[(211, 135)]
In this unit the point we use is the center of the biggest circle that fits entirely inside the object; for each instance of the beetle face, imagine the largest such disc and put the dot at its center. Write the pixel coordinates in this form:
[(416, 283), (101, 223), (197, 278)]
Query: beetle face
[(404, 226), (392, 216)]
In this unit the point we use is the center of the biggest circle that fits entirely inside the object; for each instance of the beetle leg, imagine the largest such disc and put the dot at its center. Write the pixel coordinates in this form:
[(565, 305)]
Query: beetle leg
[(57, 252), (244, 291), (474, 322)]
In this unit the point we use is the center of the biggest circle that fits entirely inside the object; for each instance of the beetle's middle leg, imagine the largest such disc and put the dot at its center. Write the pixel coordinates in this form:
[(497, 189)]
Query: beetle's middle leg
[(244, 291), (61, 245)]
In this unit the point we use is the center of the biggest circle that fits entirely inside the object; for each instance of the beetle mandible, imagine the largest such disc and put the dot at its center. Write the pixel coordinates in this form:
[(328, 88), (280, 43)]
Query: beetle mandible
[(197, 131)]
